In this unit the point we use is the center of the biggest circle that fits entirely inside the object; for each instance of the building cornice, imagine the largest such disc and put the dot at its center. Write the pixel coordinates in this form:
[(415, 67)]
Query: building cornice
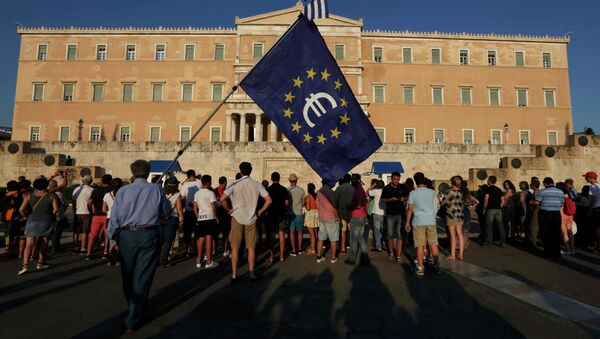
[(126, 30), (463, 36)]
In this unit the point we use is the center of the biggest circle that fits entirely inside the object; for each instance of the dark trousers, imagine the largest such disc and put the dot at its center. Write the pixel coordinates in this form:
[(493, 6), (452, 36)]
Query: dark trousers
[(493, 220), (168, 231), (550, 222), (139, 256), (189, 221), (57, 231)]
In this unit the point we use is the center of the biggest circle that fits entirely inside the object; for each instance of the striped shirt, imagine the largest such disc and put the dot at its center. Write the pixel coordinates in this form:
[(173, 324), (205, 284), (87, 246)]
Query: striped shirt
[(550, 198)]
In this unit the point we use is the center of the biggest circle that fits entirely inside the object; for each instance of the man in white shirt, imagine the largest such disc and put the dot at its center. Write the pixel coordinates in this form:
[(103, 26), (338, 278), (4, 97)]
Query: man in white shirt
[(82, 210), (244, 194), (188, 191)]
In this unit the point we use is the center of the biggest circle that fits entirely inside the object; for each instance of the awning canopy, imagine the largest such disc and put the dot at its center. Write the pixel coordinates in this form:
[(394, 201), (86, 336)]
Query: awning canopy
[(161, 165), (387, 167)]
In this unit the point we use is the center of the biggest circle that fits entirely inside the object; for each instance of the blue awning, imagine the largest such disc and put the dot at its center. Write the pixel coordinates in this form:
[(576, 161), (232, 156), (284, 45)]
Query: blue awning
[(161, 166), (387, 167)]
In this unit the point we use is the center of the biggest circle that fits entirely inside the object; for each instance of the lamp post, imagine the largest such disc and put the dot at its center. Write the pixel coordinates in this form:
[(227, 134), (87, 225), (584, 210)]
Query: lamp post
[(506, 130), (80, 134)]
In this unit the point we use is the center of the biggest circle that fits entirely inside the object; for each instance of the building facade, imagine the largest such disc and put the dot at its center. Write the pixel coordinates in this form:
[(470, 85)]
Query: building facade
[(159, 84)]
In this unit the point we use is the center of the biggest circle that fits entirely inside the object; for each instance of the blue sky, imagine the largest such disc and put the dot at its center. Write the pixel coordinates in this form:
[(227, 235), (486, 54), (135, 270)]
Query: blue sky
[(533, 17)]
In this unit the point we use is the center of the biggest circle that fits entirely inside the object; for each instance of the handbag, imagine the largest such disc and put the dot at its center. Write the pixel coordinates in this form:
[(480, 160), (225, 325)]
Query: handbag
[(574, 228)]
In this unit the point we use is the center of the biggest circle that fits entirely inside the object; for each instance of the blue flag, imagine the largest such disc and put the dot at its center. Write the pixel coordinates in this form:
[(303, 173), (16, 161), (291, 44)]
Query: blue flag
[(302, 90)]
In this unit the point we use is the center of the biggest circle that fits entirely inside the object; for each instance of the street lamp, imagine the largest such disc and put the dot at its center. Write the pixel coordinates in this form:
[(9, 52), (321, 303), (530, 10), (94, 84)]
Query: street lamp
[(506, 132), (80, 135)]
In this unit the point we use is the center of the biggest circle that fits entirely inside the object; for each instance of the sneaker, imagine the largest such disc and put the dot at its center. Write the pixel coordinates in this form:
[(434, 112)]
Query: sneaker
[(204, 259), (430, 260), (213, 264), (321, 259), (293, 254), (437, 269), (104, 256), (23, 270), (88, 258), (398, 260), (333, 260), (198, 264), (420, 270), (227, 253)]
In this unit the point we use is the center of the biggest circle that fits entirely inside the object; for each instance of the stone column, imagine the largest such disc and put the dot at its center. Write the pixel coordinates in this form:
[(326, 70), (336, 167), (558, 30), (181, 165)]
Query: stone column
[(228, 126), (243, 127), (273, 132), (258, 127)]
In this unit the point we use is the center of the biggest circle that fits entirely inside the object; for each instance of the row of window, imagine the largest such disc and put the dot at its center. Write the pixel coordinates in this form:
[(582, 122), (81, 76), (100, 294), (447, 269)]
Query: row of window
[(435, 56), (95, 133), (466, 95), (185, 132), (160, 52), (468, 136), (127, 91)]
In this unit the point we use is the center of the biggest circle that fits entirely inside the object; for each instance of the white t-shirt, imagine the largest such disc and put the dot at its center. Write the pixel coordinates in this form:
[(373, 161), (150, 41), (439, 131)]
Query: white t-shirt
[(204, 198), (109, 200), (188, 192), (377, 205), (595, 192), (173, 200), (244, 198), (85, 192)]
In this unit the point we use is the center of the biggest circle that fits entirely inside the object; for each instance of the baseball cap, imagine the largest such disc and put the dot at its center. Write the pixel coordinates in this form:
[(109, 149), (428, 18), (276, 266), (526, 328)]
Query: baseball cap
[(172, 181), (293, 177), (592, 175)]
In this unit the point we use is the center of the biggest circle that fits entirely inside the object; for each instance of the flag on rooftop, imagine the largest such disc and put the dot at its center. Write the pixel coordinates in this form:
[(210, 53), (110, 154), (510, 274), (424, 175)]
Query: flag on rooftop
[(316, 9), (300, 87)]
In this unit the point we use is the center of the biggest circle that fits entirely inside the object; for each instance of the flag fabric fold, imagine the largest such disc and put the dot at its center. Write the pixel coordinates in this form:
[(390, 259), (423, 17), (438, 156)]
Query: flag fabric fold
[(300, 87), (316, 9)]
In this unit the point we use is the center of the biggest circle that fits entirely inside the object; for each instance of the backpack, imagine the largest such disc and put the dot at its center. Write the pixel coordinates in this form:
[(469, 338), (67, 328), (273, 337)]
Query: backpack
[(569, 208)]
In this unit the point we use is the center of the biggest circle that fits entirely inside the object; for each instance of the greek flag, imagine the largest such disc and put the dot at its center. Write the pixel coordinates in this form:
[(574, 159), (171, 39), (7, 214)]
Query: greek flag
[(316, 9)]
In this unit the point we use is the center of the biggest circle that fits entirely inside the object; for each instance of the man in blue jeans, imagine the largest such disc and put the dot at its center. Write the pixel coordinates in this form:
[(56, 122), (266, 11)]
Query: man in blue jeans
[(394, 195), (492, 208), (134, 226)]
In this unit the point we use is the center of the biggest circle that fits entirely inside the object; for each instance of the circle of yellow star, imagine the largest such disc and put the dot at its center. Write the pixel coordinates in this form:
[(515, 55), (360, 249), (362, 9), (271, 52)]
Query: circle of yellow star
[(311, 74), (321, 139), (298, 82), (344, 102), (338, 84), (325, 75), (307, 137), (287, 112), (345, 119), (289, 97), (335, 133), (296, 127)]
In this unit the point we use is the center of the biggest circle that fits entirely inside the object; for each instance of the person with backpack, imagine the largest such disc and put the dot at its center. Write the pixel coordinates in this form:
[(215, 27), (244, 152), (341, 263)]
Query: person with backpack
[(567, 214)]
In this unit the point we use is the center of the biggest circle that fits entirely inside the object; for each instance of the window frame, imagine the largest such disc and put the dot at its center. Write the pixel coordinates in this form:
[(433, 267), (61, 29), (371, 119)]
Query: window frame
[(433, 88), (492, 136), (215, 45), (123, 84), (60, 128), (553, 90), (375, 86), (549, 61), (404, 87), (343, 46), (220, 128), (443, 136), (411, 54), (431, 55), (414, 135), (91, 134), (495, 57), (183, 84), (472, 136), (164, 52), (162, 91), (468, 56), (43, 86), (526, 96), (65, 84), (212, 91), (528, 136), (121, 133), (72, 44), (94, 84), (499, 89), (127, 52), (150, 133), (262, 50), (470, 95), (98, 52), (181, 133), (185, 46), (548, 137), (39, 133), (375, 46), (523, 53), (37, 55), (384, 133)]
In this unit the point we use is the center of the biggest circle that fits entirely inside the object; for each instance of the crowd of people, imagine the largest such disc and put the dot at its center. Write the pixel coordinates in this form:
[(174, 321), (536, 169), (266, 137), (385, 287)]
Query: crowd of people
[(143, 225)]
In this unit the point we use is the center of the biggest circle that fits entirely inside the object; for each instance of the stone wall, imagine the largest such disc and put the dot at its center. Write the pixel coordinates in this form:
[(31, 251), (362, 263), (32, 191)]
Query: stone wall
[(437, 161)]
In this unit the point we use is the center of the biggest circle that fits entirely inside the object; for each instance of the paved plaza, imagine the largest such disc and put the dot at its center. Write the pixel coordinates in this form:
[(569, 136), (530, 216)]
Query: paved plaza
[(497, 292)]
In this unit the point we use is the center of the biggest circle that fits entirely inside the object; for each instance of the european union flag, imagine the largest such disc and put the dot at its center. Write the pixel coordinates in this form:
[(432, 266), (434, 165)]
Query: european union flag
[(302, 90)]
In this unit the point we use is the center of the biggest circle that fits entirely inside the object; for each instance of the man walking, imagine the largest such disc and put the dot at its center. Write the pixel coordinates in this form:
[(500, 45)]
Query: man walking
[(594, 210), (277, 216), (394, 195), (82, 210), (297, 198), (421, 208), (244, 194), (134, 225), (550, 200), (492, 204)]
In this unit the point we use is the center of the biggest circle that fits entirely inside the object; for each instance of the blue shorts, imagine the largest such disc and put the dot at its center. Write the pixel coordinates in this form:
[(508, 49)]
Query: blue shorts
[(297, 222), (394, 227)]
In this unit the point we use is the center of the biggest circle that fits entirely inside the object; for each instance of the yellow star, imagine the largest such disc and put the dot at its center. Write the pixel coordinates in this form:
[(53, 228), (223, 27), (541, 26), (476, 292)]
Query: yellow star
[(321, 139), (296, 127), (335, 133), (287, 113), (338, 84), (307, 137), (345, 119), (298, 82), (344, 102), (289, 97), (311, 74), (325, 75)]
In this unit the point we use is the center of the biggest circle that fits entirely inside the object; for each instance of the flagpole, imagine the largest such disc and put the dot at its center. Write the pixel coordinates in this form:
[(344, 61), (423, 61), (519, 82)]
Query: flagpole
[(214, 111)]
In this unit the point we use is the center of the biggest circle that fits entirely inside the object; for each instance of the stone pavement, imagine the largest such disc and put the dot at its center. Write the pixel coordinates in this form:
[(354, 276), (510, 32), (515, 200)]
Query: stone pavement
[(496, 293)]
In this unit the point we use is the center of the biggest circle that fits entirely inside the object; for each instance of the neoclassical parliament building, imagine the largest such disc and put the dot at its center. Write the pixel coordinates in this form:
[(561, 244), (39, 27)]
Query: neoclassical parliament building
[(158, 84)]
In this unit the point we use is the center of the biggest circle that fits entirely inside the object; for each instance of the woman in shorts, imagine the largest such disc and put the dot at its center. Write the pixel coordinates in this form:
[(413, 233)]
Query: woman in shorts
[(207, 225)]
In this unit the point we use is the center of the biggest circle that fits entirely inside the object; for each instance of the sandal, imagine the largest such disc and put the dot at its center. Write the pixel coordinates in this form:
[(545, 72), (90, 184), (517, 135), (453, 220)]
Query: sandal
[(23, 270)]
